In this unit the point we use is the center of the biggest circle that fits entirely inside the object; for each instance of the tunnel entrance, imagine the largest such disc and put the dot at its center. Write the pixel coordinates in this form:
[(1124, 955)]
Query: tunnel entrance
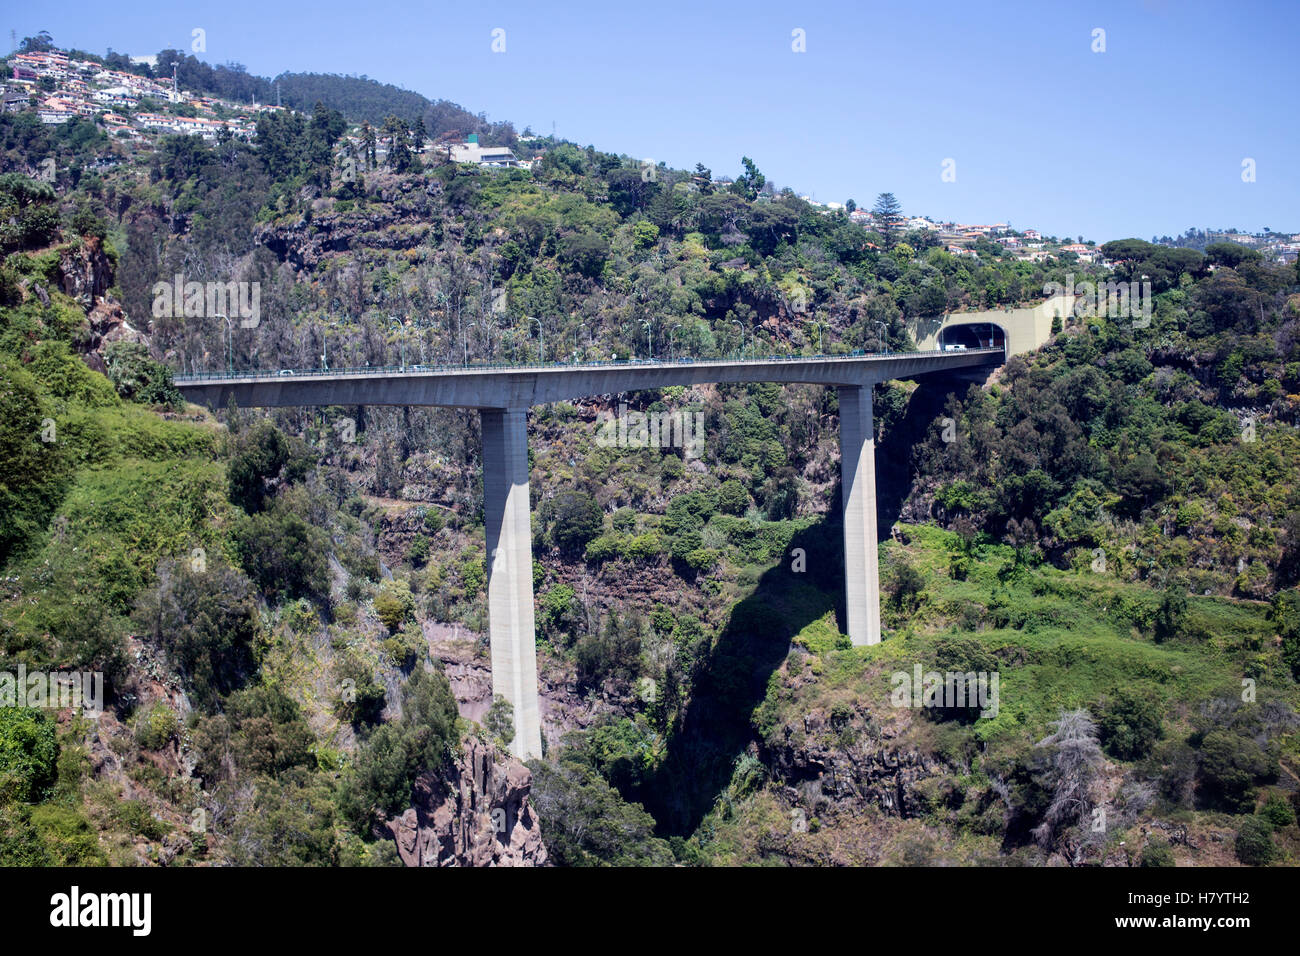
[(973, 335)]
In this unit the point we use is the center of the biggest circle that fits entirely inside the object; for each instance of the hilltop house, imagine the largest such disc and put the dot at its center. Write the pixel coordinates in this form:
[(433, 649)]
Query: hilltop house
[(471, 152)]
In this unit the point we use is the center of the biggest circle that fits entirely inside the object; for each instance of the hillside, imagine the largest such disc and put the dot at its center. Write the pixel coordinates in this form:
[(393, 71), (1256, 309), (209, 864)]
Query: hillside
[(288, 606)]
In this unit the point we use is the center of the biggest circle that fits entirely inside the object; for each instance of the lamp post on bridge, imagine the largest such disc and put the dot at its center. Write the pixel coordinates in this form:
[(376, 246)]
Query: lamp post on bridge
[(541, 340), (650, 338), (671, 333), (401, 342), (230, 343), (884, 341), (737, 324)]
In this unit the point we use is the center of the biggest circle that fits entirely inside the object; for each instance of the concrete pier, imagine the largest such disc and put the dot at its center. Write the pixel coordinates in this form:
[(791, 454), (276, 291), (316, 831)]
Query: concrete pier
[(858, 477), (510, 572)]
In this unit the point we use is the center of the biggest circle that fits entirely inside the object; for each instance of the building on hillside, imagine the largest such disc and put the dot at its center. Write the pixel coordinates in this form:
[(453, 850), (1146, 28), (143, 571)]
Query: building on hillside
[(116, 96), (472, 152), (14, 100)]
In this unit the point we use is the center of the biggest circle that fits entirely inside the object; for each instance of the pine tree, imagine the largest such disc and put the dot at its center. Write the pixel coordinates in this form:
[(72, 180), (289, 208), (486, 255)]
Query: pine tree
[(888, 216)]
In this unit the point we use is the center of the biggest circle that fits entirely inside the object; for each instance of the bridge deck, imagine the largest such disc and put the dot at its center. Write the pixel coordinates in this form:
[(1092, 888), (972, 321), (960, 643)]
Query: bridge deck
[(519, 386)]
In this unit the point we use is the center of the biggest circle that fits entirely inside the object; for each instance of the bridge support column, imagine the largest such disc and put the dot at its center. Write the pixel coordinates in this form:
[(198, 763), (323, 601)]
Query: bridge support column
[(858, 478), (510, 573)]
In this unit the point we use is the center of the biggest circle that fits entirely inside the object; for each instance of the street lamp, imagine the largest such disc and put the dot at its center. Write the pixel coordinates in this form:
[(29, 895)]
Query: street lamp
[(541, 340), (884, 342), (650, 338), (737, 324), (671, 333), (230, 343), (401, 342)]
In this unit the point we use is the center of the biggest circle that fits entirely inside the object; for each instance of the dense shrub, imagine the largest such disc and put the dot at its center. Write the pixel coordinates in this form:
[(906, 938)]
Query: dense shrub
[(1130, 724), (29, 753), (205, 619), (577, 519), (283, 554), (394, 604), (260, 732), (1230, 766), (379, 782), (1157, 853), (1254, 843)]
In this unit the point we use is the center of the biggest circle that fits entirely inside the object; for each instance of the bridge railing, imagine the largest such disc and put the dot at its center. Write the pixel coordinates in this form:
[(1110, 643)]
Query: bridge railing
[(423, 369)]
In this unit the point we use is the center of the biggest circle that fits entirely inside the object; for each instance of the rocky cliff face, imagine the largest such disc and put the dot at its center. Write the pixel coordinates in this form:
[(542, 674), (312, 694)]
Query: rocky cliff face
[(86, 271), (481, 817), (859, 769), (402, 218), (464, 660)]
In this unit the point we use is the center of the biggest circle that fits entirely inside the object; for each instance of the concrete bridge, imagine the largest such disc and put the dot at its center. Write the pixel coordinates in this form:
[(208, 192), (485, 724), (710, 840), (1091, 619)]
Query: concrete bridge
[(503, 394)]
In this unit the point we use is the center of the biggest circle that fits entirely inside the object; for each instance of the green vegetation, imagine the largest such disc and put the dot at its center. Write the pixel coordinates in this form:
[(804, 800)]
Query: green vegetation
[(1113, 533)]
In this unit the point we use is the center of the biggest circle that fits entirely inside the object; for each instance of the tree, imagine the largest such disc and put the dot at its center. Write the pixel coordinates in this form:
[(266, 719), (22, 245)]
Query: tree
[(41, 43), (394, 604), (1285, 614), (32, 472), (1254, 842), (206, 622), (283, 554), (888, 218), (499, 721), (1230, 254), (260, 460), (1230, 765), (587, 823), (380, 780), (585, 253), (1157, 853), (1075, 763), (1131, 724), (749, 184), (732, 497), (368, 144), (137, 376), (399, 146), (577, 519), (1171, 615)]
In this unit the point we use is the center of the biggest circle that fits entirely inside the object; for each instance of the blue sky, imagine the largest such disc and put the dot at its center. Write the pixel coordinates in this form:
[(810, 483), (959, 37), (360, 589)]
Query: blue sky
[(1146, 138)]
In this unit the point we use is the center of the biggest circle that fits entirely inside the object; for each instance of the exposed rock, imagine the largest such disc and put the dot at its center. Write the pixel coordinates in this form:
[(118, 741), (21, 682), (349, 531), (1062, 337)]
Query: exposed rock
[(107, 323), (396, 222), (469, 671), (87, 272), (866, 772), (480, 817)]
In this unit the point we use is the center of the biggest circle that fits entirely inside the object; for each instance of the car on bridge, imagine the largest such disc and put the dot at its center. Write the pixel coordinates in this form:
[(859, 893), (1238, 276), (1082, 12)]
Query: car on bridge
[(954, 347)]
